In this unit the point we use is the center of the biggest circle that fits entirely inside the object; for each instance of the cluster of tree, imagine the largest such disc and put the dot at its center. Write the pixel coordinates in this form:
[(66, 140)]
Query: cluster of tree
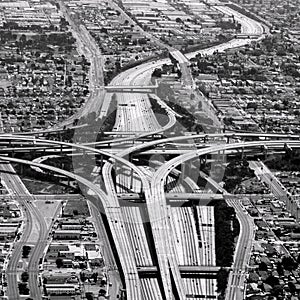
[(204, 44), (7, 36), (23, 288), (24, 276), (226, 229), (89, 127), (287, 263), (47, 176), (187, 121), (62, 162), (64, 40), (59, 262), (291, 69), (160, 112), (290, 161), (110, 74), (229, 25), (166, 69), (25, 251), (245, 12), (222, 280), (235, 172), (83, 277)]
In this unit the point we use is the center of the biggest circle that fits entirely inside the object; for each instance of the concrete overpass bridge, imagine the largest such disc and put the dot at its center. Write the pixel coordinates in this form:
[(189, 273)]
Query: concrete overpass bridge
[(146, 89), (12, 144), (185, 271), (174, 199), (247, 36)]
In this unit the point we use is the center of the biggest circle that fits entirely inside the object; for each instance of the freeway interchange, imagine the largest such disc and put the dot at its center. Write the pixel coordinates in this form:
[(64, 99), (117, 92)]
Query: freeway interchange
[(113, 213), (173, 242)]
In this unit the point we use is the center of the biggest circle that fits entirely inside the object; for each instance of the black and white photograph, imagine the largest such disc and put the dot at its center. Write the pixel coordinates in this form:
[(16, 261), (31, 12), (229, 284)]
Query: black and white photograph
[(149, 149)]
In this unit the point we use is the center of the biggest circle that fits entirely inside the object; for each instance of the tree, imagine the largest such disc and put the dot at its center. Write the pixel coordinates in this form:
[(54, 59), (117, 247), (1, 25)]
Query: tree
[(222, 276), (24, 276), (59, 262), (277, 290), (157, 73), (95, 277), (89, 296), (292, 287), (272, 281), (288, 263), (263, 266), (23, 289), (25, 251), (82, 276), (280, 269)]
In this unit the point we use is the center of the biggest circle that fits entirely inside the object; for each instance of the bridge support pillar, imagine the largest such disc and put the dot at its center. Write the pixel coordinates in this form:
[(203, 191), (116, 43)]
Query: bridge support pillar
[(131, 179), (265, 151), (167, 182), (21, 169), (101, 161), (183, 171)]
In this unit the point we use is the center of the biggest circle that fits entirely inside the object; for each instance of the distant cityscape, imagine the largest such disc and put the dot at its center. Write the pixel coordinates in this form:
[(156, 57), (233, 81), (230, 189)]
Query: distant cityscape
[(149, 149)]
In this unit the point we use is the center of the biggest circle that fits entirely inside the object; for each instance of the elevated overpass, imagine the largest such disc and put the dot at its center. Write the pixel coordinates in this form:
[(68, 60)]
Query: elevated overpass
[(20, 142), (247, 36), (185, 271), (184, 64), (174, 199), (131, 88)]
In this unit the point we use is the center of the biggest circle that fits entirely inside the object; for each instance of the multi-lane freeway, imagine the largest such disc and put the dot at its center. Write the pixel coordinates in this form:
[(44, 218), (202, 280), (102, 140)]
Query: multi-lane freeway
[(213, 148), (34, 217), (169, 227)]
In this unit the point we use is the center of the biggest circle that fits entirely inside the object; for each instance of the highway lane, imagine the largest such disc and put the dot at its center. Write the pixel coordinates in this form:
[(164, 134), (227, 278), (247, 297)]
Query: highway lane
[(110, 263), (139, 74), (194, 139), (166, 279), (19, 190), (138, 147), (236, 281), (249, 26), (243, 247), (165, 252), (133, 286), (267, 177), (116, 222), (89, 48), (12, 267), (143, 71), (256, 144)]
